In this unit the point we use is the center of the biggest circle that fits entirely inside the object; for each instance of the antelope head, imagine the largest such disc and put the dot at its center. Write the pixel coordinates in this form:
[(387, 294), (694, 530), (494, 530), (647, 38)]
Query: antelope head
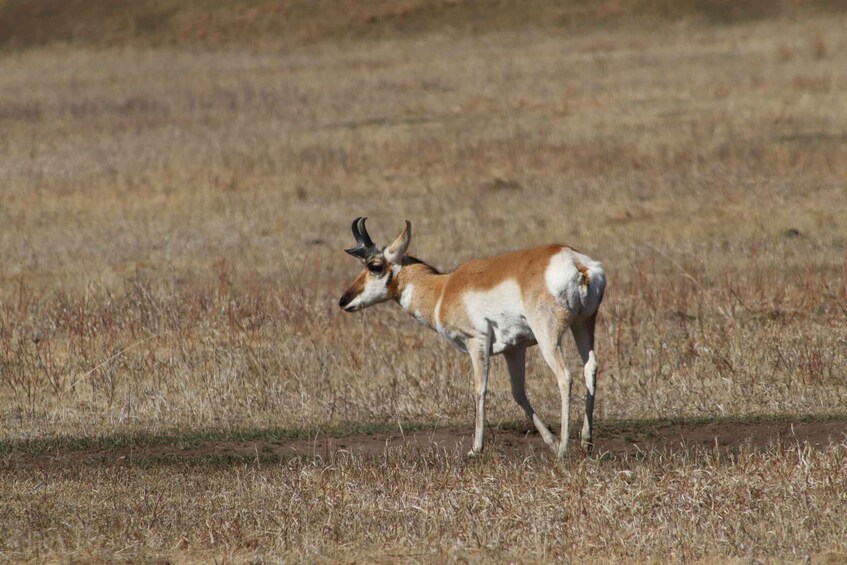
[(381, 266)]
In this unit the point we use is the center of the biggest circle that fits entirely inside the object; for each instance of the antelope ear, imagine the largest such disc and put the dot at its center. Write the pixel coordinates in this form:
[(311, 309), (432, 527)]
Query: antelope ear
[(397, 250)]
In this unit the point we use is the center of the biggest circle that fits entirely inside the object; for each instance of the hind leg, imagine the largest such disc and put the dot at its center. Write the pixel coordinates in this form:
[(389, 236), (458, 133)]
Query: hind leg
[(583, 335), (552, 354), (516, 362), (548, 329)]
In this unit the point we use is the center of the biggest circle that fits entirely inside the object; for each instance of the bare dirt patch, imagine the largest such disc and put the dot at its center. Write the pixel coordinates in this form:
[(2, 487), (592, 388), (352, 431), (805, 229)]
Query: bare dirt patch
[(624, 441), (507, 442)]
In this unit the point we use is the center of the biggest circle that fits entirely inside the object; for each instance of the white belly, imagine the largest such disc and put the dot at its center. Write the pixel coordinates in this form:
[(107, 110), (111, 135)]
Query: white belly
[(499, 310)]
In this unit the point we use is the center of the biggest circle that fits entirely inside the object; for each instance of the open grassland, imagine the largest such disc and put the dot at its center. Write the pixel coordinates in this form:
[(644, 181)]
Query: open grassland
[(433, 506), (173, 210)]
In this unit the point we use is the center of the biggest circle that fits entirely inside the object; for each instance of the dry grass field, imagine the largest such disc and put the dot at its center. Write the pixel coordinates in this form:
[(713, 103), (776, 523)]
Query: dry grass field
[(177, 180)]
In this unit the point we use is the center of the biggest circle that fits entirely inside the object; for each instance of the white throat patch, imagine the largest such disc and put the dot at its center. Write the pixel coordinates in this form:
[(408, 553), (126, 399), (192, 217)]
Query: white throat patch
[(406, 296)]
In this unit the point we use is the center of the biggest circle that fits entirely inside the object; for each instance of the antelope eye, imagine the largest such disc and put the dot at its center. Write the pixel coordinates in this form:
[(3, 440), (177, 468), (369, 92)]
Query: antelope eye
[(376, 268)]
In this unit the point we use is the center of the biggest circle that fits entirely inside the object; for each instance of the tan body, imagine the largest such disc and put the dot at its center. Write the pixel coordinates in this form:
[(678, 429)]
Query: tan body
[(501, 305)]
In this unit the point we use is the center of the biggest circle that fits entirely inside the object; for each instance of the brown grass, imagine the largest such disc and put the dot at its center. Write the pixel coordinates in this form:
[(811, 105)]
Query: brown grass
[(291, 24), (170, 258), (434, 506)]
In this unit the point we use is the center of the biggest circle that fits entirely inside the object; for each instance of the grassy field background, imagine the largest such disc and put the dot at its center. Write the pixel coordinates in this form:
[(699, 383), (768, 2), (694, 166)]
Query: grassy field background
[(177, 186)]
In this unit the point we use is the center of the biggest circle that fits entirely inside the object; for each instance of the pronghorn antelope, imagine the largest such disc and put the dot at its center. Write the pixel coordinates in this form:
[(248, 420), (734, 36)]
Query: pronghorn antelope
[(491, 306)]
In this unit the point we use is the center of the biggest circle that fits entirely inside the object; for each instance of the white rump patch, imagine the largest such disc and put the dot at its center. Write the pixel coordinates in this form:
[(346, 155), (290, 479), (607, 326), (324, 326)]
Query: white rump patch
[(566, 283)]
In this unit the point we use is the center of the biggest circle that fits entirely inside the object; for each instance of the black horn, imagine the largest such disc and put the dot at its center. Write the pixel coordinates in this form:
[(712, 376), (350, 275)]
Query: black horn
[(364, 245), (356, 233), (363, 231)]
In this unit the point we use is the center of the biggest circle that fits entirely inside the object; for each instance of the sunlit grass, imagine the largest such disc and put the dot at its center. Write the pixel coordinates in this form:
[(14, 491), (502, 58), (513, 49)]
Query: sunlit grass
[(172, 221)]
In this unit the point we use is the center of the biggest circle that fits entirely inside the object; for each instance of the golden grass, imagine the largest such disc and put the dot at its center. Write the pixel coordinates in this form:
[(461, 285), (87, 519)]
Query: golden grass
[(210, 23), (436, 506), (192, 207), (172, 226)]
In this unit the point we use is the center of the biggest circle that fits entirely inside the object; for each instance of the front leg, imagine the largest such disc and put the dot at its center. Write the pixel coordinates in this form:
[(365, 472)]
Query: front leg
[(480, 352)]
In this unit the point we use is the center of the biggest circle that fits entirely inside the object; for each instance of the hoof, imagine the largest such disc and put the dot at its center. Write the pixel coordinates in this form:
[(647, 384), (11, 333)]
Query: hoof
[(474, 453), (563, 452)]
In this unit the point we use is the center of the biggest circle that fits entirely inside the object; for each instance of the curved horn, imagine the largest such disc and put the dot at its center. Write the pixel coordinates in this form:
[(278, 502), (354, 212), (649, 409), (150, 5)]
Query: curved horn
[(356, 233), (363, 233), (364, 245)]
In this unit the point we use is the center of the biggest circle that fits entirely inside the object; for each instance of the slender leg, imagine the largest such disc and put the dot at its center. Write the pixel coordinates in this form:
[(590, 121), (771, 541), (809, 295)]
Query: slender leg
[(548, 326), (516, 362), (480, 355), (552, 353), (583, 334)]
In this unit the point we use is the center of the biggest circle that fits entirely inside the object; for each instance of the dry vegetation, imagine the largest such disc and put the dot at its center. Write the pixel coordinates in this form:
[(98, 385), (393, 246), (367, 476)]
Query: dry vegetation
[(434, 507), (173, 210)]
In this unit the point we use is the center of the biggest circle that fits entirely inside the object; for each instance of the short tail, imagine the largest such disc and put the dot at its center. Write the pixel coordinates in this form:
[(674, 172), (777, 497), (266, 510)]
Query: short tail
[(592, 289)]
